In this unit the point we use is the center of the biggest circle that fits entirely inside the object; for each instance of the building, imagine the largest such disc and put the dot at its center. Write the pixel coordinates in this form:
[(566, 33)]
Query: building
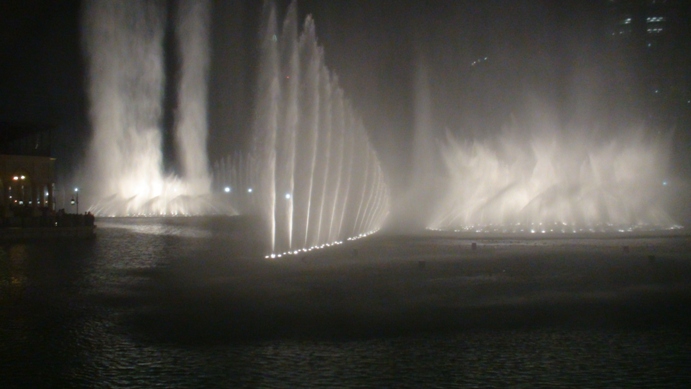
[(650, 47), (27, 171)]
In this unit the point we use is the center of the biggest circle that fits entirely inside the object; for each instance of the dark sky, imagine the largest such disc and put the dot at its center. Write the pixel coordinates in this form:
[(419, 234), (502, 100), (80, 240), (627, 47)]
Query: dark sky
[(546, 49), (41, 68), (41, 74)]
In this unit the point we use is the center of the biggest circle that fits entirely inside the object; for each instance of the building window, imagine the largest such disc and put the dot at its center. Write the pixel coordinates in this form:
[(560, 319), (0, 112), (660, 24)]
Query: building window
[(622, 30)]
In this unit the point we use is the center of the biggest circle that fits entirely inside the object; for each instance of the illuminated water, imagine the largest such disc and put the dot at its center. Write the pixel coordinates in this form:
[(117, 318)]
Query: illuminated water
[(542, 179), (123, 44), (184, 302), (313, 173)]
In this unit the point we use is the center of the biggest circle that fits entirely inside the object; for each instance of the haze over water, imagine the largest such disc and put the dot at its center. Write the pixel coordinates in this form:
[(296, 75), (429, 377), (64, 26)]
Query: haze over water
[(537, 175), (541, 179)]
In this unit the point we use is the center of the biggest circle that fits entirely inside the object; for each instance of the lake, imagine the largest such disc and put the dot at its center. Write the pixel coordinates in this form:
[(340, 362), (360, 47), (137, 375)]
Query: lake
[(191, 302)]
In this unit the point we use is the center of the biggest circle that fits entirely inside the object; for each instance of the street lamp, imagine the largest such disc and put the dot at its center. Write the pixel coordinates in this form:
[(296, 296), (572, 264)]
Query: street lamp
[(75, 199)]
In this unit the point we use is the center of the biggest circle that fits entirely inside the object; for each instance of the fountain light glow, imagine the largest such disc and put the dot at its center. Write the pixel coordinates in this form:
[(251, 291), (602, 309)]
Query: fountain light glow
[(123, 44), (321, 246), (309, 147), (542, 180)]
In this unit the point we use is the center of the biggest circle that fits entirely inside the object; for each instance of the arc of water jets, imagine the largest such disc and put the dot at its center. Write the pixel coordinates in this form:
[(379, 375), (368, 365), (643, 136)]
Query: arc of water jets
[(310, 146)]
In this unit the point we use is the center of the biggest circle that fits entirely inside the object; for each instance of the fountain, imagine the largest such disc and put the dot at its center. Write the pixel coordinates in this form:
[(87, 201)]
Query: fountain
[(123, 43), (314, 177), (236, 175), (542, 179), (312, 174)]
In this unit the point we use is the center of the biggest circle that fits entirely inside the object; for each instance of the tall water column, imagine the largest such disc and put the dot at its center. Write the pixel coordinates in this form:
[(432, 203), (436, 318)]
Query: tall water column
[(123, 44)]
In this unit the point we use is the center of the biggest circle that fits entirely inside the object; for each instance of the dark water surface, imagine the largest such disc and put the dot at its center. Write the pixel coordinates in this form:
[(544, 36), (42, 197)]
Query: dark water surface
[(187, 303)]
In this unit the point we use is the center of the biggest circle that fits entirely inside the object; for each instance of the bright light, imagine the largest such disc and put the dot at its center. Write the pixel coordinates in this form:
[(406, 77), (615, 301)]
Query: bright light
[(249, 190), (288, 196), (15, 178), (22, 177), (227, 189), (664, 183), (76, 189)]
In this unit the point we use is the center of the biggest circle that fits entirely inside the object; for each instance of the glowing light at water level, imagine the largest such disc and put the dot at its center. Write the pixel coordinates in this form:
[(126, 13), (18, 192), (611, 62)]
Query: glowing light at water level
[(546, 181), (123, 42), (318, 179)]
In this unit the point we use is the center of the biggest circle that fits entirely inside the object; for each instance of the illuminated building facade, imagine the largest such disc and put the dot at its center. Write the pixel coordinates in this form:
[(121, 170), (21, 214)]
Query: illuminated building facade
[(27, 171)]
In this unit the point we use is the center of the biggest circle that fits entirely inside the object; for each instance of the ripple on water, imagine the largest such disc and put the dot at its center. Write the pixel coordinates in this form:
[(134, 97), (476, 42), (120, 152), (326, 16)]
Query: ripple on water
[(549, 358), (58, 330)]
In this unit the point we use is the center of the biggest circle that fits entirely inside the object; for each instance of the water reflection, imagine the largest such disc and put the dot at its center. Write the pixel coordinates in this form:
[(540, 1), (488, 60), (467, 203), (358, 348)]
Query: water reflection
[(13, 280), (134, 309)]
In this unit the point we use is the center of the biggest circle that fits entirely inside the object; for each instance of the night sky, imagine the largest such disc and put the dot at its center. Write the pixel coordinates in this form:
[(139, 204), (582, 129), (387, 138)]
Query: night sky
[(537, 50)]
